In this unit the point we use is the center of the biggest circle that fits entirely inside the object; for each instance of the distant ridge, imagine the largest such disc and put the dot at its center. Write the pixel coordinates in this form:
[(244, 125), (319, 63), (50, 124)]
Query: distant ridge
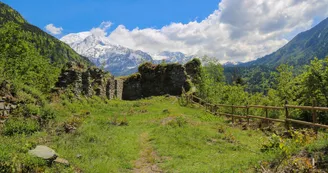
[(300, 50)]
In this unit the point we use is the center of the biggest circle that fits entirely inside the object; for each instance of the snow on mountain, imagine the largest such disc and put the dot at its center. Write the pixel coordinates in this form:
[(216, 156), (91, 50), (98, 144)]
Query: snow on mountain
[(172, 57), (75, 37), (117, 59), (114, 58)]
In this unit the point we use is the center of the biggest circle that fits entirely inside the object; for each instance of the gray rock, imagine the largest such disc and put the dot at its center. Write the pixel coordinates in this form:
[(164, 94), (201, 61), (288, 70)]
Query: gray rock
[(7, 107), (43, 152), (79, 156), (13, 106), (5, 113), (61, 161), (2, 105)]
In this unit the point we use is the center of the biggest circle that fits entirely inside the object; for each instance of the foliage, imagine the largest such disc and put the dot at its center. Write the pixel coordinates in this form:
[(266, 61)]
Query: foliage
[(20, 126), (28, 55), (21, 63)]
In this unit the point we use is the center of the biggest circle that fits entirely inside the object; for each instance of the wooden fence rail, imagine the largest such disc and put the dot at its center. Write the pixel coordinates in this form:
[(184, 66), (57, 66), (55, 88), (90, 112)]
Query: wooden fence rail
[(215, 109)]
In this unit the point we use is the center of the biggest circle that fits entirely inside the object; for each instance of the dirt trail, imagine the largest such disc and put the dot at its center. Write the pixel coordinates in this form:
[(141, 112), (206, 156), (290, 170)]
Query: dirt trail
[(148, 157)]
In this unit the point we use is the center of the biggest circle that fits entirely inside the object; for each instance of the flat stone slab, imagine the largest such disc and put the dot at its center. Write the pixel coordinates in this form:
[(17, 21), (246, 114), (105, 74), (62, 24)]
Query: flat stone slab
[(2, 105), (61, 161), (43, 152)]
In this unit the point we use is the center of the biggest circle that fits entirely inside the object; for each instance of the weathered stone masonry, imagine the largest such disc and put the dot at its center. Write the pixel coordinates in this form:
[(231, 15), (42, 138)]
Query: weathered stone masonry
[(156, 80), (89, 82), (7, 101), (152, 80)]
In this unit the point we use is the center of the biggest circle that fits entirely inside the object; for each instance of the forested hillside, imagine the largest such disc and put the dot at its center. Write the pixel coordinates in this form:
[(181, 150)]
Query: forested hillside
[(28, 55), (300, 50), (46, 45)]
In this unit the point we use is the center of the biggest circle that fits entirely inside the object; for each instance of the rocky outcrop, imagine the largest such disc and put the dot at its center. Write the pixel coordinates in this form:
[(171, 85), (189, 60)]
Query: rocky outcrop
[(87, 81), (156, 80)]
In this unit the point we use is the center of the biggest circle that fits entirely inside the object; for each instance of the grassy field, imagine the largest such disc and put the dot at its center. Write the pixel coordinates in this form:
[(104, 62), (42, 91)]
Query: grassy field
[(150, 135)]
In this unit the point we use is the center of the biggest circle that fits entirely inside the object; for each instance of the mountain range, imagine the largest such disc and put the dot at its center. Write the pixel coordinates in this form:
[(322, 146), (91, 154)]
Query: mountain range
[(122, 61), (117, 59), (89, 48), (300, 50)]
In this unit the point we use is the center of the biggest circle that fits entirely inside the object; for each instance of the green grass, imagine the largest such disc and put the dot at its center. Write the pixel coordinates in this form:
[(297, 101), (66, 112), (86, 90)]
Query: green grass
[(178, 139)]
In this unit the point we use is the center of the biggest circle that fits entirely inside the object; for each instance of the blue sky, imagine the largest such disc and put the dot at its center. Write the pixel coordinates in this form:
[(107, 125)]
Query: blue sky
[(82, 15), (229, 30)]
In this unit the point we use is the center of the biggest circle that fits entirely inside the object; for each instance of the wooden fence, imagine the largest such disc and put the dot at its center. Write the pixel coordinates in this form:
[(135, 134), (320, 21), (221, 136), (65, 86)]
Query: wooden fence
[(215, 109)]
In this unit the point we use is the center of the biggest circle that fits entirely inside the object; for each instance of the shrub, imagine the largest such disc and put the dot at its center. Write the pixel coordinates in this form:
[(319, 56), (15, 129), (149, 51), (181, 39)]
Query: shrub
[(20, 126), (47, 113), (32, 109)]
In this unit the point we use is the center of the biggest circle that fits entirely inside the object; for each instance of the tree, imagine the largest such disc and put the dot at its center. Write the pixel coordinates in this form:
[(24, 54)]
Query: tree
[(314, 82), (20, 61), (285, 84)]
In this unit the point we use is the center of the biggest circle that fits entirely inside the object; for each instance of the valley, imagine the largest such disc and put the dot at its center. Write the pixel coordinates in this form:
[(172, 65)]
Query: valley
[(79, 102)]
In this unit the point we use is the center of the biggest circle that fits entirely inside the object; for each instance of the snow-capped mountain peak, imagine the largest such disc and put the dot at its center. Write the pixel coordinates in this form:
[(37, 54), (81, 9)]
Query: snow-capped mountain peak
[(75, 37), (117, 59), (98, 48), (173, 57)]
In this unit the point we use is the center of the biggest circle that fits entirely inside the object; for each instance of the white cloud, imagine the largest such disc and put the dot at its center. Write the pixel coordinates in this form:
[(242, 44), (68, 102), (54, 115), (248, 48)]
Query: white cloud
[(239, 30), (101, 30), (51, 28)]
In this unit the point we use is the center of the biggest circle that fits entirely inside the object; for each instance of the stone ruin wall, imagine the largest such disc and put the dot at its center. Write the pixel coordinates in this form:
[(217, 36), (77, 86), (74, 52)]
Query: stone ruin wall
[(151, 80), (156, 80), (119, 88), (7, 102), (6, 108), (88, 82)]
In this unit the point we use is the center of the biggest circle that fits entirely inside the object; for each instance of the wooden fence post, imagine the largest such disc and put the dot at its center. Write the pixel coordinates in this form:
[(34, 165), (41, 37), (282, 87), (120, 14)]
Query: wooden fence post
[(232, 113), (314, 114), (215, 110), (266, 116), (247, 114), (287, 115)]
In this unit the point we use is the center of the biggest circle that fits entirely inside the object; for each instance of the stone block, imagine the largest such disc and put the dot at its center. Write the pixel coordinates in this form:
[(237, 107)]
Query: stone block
[(2, 105)]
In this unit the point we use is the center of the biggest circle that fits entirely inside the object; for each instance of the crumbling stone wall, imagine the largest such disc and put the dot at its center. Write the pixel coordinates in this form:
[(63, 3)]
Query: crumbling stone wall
[(7, 100), (152, 80), (110, 88), (86, 81), (71, 77), (193, 69), (132, 87), (119, 88), (155, 80)]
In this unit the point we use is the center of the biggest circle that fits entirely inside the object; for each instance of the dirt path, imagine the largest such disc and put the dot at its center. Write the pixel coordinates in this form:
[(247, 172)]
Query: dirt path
[(148, 157)]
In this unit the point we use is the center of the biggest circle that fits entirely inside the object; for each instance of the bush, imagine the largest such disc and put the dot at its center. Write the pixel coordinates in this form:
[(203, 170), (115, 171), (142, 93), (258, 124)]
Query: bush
[(47, 113), (20, 126), (32, 109)]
